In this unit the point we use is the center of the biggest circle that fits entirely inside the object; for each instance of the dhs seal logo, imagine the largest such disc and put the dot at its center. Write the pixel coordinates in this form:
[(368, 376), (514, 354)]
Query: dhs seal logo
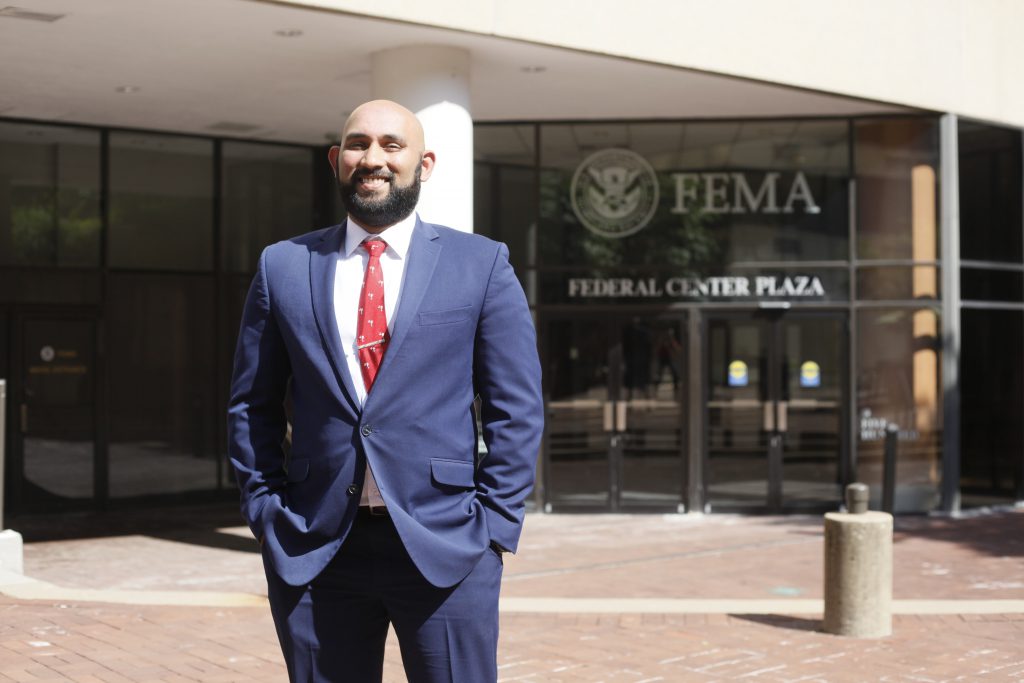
[(614, 192)]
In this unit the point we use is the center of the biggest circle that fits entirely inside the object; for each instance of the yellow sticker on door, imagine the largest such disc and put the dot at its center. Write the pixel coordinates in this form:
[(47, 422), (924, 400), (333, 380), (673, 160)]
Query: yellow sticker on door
[(738, 376), (810, 374)]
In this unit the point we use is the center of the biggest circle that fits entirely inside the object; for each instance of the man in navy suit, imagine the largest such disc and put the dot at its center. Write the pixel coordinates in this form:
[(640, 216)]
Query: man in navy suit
[(384, 512)]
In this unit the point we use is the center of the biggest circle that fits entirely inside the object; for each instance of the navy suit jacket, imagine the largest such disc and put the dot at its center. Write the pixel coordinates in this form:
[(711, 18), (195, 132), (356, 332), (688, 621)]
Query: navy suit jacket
[(462, 329)]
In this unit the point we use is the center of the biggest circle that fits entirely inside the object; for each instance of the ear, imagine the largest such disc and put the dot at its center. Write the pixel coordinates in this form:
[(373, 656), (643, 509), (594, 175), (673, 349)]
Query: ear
[(427, 164), (332, 157)]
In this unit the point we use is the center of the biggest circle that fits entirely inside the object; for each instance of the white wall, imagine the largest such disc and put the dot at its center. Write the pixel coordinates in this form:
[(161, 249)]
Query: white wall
[(963, 56)]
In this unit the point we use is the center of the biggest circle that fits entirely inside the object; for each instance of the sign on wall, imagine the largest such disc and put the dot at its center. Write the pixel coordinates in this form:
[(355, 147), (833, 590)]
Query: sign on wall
[(614, 193)]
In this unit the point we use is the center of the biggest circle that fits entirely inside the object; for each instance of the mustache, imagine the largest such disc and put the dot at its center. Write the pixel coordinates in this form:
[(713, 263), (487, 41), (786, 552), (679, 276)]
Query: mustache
[(359, 174)]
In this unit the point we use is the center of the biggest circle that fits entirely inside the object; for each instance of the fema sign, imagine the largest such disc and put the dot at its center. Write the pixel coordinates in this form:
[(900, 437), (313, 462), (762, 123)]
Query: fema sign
[(614, 193)]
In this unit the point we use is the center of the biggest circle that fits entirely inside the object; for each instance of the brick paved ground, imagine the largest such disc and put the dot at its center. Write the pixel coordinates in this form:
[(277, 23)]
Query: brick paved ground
[(982, 557)]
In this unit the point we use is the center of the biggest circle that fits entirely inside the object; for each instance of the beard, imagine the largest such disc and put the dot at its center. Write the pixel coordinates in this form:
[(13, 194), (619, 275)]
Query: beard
[(398, 203)]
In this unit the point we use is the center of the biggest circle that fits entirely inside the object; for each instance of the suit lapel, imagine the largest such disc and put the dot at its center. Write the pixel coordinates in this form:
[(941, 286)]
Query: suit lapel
[(323, 262), (424, 251)]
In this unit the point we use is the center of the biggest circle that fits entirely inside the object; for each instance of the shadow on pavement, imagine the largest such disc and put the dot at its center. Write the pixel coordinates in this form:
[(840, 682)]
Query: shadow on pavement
[(782, 621), (997, 532), (194, 525)]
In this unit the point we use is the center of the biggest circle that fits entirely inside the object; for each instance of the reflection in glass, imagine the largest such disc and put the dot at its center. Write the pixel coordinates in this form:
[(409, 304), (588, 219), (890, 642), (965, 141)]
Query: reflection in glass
[(266, 196), (727, 192), (59, 390), (505, 194), (652, 413), (49, 195), (737, 437), (810, 410), (899, 383), (161, 202), (162, 404), (896, 283), (576, 380), (896, 168)]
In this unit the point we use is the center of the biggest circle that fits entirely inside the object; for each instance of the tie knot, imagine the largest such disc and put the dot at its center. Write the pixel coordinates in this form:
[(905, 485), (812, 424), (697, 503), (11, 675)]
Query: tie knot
[(375, 247)]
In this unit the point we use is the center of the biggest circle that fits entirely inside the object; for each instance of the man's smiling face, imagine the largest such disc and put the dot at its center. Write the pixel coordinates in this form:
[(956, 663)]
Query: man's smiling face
[(380, 164)]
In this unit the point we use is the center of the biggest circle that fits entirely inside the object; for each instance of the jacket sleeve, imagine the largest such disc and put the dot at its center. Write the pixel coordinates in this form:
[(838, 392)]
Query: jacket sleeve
[(256, 414), (507, 377)]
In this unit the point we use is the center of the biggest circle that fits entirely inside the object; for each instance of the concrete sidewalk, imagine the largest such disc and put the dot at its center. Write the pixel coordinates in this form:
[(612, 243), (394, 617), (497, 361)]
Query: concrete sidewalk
[(179, 596)]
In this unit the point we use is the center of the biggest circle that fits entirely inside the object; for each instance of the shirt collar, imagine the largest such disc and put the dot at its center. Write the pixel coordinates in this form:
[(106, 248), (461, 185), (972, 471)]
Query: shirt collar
[(397, 236)]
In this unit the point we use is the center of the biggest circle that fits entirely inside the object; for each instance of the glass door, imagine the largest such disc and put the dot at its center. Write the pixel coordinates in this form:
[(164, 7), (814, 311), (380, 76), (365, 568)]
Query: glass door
[(55, 409), (614, 413), (774, 410)]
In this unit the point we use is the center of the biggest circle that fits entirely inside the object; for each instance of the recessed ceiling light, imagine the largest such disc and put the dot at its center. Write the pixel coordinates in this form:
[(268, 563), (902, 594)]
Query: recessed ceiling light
[(533, 69), (288, 33), (127, 88)]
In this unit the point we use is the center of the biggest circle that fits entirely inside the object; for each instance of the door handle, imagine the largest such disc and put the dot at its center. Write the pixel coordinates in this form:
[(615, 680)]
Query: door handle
[(609, 416), (783, 420), (24, 418), (767, 416), (620, 416)]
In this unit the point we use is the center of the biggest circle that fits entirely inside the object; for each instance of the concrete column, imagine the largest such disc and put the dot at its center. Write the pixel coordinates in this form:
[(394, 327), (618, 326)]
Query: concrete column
[(433, 81), (858, 574)]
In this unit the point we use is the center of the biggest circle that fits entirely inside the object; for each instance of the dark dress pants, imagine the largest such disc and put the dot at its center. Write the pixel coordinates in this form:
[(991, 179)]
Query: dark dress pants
[(333, 630)]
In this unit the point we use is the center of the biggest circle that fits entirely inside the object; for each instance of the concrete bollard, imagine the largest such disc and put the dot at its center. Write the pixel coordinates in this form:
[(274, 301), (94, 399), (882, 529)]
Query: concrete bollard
[(858, 569)]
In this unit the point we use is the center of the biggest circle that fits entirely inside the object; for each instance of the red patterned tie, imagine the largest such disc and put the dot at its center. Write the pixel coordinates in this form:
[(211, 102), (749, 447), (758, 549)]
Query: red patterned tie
[(372, 327)]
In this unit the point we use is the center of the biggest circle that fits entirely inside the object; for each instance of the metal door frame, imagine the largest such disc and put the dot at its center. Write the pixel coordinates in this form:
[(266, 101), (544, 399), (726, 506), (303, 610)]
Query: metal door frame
[(615, 320), (773, 320)]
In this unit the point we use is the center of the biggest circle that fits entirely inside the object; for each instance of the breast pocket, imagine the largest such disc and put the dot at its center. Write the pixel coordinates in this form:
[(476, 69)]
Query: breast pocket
[(458, 474), (445, 317)]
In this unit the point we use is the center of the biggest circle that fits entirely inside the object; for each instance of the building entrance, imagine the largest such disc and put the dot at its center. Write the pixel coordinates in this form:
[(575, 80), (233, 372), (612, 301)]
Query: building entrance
[(616, 413), (775, 412), (54, 397)]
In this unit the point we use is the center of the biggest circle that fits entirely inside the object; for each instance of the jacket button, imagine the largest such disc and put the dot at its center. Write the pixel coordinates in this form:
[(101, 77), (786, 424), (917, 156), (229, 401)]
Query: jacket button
[(353, 489), (367, 430)]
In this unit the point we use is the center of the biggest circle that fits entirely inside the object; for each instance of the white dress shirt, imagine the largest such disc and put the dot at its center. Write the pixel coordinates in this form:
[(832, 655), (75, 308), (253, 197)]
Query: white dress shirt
[(348, 281)]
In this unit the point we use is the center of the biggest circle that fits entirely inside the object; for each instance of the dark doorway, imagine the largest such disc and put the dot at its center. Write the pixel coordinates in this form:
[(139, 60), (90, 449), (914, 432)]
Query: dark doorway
[(54, 398)]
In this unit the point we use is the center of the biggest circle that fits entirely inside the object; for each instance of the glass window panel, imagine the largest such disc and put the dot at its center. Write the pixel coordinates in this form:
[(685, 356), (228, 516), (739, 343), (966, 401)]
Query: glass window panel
[(162, 394), (161, 202), (982, 284), (992, 405), (577, 386), (899, 383), (49, 195), (267, 196), (737, 443), (896, 166), (713, 193), (58, 410), (895, 283), (990, 193), (505, 193)]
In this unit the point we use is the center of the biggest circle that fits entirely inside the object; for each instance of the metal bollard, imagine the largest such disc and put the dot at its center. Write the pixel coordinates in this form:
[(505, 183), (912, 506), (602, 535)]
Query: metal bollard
[(892, 434), (858, 569)]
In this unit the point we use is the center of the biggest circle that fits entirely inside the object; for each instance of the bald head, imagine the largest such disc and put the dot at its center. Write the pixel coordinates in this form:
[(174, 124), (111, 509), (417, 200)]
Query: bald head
[(385, 116)]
